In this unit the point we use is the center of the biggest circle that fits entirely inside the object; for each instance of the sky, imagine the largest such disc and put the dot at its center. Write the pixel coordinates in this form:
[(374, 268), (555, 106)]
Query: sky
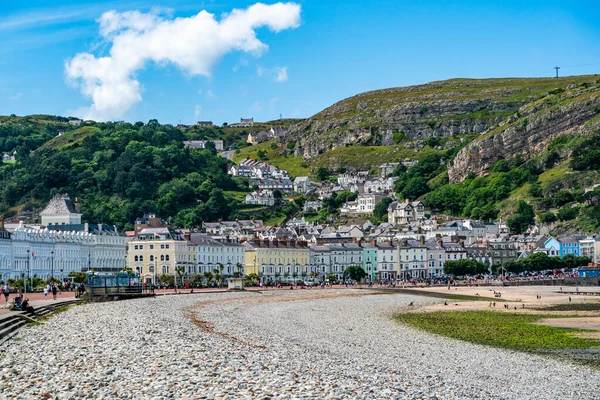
[(181, 61)]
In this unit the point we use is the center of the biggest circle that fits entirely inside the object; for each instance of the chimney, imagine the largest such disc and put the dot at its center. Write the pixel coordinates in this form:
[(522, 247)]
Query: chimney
[(422, 239), (374, 242), (440, 242), (406, 200), (77, 205), (461, 243), (187, 236)]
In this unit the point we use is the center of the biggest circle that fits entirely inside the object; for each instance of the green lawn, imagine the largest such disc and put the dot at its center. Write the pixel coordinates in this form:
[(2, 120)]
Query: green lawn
[(499, 329)]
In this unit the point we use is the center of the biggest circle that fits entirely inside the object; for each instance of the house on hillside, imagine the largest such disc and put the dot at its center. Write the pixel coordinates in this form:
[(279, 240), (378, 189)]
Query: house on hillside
[(263, 198), (302, 184), (405, 212), (201, 144), (561, 246), (204, 124)]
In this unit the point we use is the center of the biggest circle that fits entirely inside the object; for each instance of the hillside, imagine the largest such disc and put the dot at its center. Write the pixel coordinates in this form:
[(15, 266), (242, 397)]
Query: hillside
[(438, 109)]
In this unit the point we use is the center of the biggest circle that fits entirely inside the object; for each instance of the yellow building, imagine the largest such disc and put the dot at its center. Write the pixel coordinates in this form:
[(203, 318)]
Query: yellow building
[(277, 259), (157, 251)]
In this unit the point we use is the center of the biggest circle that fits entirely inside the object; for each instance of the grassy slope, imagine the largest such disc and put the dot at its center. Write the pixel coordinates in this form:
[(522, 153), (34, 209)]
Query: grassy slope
[(293, 165), (501, 89), (70, 138)]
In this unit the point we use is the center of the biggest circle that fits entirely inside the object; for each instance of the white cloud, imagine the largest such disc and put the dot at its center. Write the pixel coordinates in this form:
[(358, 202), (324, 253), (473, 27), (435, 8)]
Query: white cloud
[(210, 95), (278, 74), (193, 44), (281, 74), (197, 110)]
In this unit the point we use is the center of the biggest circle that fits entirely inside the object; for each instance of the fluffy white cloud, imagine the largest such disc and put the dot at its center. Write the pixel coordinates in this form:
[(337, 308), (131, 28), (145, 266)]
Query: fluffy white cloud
[(194, 44), (197, 110)]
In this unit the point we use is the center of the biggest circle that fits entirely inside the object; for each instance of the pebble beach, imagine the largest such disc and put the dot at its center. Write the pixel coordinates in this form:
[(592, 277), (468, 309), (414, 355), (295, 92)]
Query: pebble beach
[(309, 344)]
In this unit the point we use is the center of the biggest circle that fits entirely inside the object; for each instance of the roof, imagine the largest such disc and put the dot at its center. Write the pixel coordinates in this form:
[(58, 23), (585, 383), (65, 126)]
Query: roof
[(567, 240), (60, 204)]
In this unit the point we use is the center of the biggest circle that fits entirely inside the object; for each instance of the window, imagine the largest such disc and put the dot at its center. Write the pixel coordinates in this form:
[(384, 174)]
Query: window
[(167, 257), (135, 258), (141, 258), (162, 257), (151, 247), (151, 258), (162, 246), (166, 246)]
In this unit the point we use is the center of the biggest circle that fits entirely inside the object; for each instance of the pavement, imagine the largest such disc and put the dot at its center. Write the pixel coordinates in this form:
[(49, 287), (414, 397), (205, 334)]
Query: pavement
[(37, 300)]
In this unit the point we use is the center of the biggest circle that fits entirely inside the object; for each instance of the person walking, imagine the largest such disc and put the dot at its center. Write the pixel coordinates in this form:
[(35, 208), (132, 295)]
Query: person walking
[(54, 291), (46, 293), (6, 292)]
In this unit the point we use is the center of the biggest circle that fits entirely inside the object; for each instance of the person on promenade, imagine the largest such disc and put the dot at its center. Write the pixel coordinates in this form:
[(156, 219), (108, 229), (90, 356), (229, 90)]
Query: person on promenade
[(54, 291), (6, 292), (46, 293)]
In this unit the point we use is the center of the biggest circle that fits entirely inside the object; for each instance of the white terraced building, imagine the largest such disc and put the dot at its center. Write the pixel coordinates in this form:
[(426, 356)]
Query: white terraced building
[(62, 246), (42, 252)]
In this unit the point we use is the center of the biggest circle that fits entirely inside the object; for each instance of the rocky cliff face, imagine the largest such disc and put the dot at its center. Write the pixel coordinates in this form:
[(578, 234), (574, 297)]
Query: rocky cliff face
[(576, 110), (437, 109), (511, 116)]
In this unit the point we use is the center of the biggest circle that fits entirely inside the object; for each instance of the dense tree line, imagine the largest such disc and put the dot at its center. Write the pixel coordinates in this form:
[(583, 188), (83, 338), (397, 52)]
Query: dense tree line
[(541, 262), (121, 170)]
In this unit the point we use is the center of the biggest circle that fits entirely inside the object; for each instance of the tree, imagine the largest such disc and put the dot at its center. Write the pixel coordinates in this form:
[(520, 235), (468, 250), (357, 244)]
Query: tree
[(521, 219), (180, 271), (415, 187), (465, 266), (239, 270), (208, 276), (262, 155), (331, 278), (253, 277), (78, 277), (547, 217), (356, 273), (167, 279), (567, 213), (381, 208), (321, 174), (563, 197)]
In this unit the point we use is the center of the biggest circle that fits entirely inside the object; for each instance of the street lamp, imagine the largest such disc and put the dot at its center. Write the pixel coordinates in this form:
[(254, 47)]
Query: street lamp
[(52, 264), (26, 277)]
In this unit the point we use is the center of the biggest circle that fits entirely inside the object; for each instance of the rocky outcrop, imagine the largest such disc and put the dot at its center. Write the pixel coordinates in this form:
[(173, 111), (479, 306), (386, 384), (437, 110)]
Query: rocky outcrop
[(437, 109), (529, 135)]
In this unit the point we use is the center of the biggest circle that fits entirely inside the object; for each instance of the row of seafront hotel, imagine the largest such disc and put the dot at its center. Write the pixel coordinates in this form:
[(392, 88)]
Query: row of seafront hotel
[(62, 244), (157, 251)]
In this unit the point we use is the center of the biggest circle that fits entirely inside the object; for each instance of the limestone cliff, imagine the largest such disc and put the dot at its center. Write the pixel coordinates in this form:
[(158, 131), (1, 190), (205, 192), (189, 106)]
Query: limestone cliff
[(512, 115), (530, 132)]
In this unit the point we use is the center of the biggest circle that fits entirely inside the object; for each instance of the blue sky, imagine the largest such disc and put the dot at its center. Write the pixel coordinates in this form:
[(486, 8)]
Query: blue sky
[(334, 50)]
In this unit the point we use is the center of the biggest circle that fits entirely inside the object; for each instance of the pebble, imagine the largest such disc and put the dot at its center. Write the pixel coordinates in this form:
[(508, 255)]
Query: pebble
[(287, 346)]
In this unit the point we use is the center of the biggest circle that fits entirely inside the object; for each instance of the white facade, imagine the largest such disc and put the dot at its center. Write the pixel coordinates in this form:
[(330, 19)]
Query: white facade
[(43, 253), (209, 253), (264, 198), (367, 202), (413, 260)]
